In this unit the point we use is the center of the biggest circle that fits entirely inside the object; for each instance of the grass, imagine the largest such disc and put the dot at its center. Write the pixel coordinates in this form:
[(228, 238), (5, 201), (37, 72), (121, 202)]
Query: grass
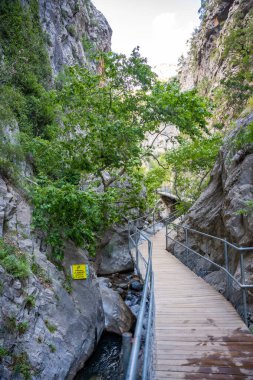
[(40, 273), (50, 327), (22, 327), (14, 261), (21, 365), (12, 326), (1, 288), (52, 347), (67, 284), (30, 302), (3, 352)]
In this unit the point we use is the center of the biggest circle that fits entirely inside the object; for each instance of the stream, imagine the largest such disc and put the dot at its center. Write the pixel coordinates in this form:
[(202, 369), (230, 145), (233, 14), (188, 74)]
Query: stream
[(104, 364)]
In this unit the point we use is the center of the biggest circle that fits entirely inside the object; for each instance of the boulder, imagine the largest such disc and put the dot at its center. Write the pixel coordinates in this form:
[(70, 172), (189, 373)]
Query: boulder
[(115, 257), (118, 316)]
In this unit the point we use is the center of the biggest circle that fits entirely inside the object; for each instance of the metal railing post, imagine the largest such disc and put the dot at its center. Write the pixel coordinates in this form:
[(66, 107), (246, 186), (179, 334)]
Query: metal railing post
[(126, 351), (153, 223), (133, 362), (166, 236), (244, 291), (136, 250), (187, 250), (148, 333), (129, 234), (228, 282)]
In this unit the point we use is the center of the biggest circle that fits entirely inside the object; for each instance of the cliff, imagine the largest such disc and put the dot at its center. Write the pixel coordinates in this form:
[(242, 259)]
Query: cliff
[(49, 325), (219, 62), (73, 30), (224, 209)]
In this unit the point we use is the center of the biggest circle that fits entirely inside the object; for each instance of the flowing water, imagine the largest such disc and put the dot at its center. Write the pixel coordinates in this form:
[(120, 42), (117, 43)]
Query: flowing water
[(104, 364)]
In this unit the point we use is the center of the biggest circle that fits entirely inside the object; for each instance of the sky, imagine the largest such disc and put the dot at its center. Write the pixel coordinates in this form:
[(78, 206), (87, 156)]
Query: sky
[(160, 27)]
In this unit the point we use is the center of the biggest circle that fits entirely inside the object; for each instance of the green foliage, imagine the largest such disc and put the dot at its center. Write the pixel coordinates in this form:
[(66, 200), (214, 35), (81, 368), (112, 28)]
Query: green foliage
[(10, 324), (14, 261), (103, 118), (24, 74), (92, 125), (26, 61), (247, 210), (191, 164), (154, 179), (67, 283), (71, 29), (244, 137), (238, 48), (40, 273), (50, 327), (22, 327), (52, 348), (1, 288), (22, 365), (65, 212), (30, 302), (3, 352)]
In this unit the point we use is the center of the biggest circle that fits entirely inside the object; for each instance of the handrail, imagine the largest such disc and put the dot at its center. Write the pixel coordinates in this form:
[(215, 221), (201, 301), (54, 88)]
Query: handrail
[(148, 291), (229, 276), (216, 238)]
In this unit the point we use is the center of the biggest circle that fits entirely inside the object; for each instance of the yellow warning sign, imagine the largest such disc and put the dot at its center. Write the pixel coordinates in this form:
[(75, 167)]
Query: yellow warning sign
[(79, 271)]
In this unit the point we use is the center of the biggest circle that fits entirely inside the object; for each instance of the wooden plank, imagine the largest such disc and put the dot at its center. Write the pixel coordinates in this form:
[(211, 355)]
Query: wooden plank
[(199, 335)]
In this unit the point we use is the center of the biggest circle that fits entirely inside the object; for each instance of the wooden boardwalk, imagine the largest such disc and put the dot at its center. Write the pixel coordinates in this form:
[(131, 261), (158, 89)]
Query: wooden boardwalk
[(199, 335)]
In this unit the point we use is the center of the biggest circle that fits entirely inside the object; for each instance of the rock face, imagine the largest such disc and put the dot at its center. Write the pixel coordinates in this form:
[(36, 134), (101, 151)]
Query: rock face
[(118, 317), (74, 30), (205, 60), (49, 324), (64, 319), (115, 257), (214, 213), (230, 186), (215, 57)]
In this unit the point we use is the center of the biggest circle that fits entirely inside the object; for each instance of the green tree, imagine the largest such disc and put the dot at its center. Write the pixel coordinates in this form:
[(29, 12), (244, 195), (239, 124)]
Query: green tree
[(101, 122), (191, 164)]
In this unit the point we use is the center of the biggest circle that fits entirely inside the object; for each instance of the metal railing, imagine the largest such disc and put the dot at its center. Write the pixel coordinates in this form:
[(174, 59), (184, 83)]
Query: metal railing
[(142, 352), (229, 254)]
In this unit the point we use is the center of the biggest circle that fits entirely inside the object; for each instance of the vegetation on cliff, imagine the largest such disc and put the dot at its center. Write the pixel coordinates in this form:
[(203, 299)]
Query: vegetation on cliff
[(219, 66), (84, 136)]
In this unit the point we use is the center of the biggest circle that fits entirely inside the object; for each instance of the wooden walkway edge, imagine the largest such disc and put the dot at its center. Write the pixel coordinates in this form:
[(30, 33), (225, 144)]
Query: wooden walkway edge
[(199, 335)]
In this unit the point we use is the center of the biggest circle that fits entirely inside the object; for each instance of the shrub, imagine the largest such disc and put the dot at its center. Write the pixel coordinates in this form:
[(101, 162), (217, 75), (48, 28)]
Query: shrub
[(14, 261), (21, 365), (30, 302), (50, 327), (10, 323), (22, 327), (3, 352)]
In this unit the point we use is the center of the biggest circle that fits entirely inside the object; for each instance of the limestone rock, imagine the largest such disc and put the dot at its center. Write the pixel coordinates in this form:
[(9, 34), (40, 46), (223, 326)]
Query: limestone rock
[(118, 316), (205, 61), (214, 213), (208, 63), (64, 319), (115, 257), (74, 30)]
